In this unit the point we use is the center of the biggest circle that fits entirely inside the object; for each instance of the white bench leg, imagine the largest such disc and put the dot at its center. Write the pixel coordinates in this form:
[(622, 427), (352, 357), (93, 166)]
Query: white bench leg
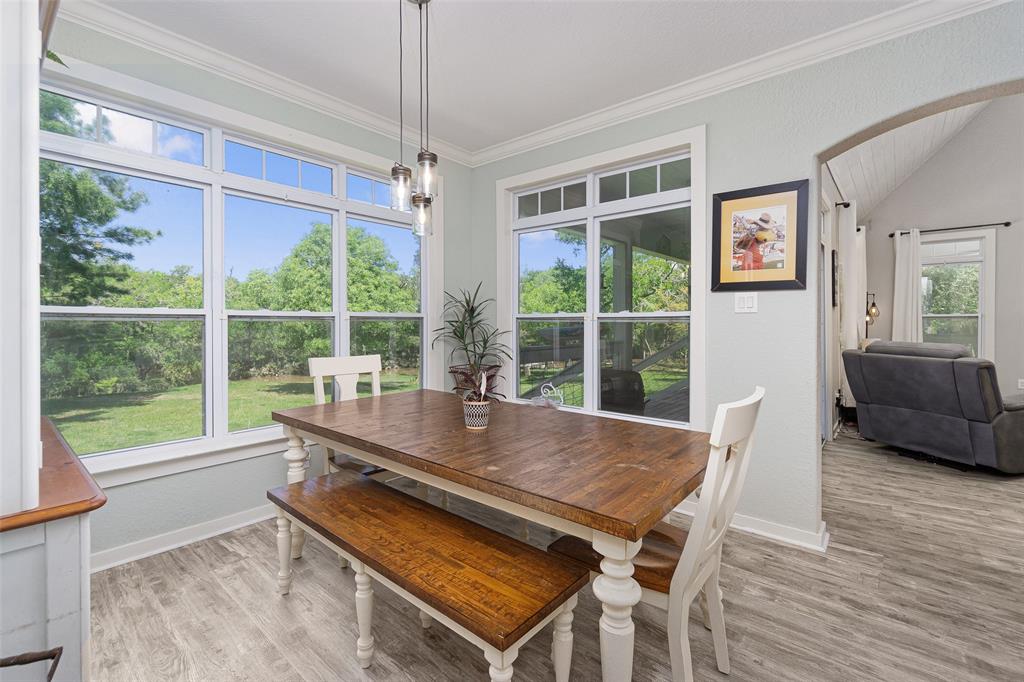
[(364, 615), (444, 500), (561, 641), (501, 663), (284, 553), (425, 619), (342, 562), (524, 530)]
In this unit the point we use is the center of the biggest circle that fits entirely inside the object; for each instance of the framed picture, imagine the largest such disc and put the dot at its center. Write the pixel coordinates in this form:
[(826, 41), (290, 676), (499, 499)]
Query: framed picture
[(759, 238)]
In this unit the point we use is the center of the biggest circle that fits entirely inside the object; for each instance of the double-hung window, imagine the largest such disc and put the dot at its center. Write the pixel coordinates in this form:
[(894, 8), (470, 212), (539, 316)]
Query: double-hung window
[(957, 275), (602, 300), (189, 273)]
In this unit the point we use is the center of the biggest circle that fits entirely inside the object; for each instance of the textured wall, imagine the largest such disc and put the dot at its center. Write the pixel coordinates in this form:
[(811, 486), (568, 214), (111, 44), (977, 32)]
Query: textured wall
[(977, 177)]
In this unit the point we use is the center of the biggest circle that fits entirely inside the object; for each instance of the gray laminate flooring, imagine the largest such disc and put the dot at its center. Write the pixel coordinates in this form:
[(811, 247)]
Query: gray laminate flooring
[(923, 580)]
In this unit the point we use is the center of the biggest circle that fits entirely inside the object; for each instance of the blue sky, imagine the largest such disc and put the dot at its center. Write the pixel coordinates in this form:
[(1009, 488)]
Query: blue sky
[(257, 234), (540, 250)]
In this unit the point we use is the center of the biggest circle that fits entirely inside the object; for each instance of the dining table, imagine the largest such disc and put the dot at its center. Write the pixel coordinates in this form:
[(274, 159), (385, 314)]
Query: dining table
[(605, 480)]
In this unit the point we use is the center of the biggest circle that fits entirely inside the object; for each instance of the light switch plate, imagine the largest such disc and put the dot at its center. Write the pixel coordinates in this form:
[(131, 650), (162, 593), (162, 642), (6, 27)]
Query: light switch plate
[(1020, 384), (746, 302)]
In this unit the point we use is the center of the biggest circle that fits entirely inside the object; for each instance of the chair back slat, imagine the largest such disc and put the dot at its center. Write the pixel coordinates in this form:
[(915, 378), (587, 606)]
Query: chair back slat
[(731, 441), (345, 372)]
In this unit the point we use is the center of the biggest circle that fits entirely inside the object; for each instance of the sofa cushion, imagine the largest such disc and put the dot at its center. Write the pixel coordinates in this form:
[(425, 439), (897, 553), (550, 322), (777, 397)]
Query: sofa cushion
[(924, 384), (921, 350)]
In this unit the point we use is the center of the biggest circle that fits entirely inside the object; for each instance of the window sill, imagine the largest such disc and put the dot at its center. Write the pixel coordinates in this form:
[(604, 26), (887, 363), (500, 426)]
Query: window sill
[(140, 464)]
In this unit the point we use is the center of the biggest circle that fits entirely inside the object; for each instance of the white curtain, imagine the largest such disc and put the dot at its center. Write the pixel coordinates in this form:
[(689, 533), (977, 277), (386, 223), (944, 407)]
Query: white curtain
[(852, 282), (906, 290)]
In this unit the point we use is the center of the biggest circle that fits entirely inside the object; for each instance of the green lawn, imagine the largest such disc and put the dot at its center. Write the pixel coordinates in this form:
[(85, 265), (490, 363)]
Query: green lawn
[(111, 422)]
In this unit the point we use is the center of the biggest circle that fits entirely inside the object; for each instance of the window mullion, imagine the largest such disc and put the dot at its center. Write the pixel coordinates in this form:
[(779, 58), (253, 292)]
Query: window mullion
[(591, 337), (217, 371)]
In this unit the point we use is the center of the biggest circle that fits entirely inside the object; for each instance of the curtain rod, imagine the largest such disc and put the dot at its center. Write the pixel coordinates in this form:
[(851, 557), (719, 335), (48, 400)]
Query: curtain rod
[(962, 227)]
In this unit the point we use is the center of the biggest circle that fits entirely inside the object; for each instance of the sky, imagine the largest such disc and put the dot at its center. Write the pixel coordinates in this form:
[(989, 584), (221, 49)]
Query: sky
[(540, 250)]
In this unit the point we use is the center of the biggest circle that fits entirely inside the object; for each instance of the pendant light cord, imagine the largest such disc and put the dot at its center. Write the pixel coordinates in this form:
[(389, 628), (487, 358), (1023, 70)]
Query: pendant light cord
[(421, 78), (427, 69), (401, 91)]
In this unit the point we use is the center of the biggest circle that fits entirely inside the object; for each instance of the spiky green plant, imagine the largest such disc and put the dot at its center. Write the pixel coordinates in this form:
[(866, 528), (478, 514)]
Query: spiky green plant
[(473, 339)]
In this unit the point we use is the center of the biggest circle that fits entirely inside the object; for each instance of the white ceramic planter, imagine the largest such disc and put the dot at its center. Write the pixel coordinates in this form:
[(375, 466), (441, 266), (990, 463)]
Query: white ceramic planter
[(477, 414)]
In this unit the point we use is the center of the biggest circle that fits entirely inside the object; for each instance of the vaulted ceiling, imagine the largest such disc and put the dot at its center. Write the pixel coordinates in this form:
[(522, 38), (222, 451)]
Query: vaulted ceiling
[(869, 172)]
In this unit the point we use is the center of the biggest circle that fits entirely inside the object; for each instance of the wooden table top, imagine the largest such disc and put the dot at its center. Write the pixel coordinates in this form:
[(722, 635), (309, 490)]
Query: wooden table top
[(65, 486), (615, 476)]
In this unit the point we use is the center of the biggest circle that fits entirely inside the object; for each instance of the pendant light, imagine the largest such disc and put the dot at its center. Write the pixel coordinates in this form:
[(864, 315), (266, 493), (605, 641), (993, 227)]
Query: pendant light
[(426, 160), (401, 175)]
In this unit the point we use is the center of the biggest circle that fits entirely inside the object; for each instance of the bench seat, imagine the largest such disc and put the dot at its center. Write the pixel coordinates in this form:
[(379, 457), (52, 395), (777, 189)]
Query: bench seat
[(497, 588)]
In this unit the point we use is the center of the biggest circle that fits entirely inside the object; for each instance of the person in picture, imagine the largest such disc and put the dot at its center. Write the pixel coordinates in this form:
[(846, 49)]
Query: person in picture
[(750, 246)]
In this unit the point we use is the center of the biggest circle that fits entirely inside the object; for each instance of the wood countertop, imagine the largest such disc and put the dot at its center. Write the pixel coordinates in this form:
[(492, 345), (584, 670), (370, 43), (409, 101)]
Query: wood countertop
[(66, 488)]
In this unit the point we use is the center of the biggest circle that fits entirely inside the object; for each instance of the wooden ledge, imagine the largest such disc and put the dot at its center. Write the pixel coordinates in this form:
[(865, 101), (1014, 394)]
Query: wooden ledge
[(66, 488)]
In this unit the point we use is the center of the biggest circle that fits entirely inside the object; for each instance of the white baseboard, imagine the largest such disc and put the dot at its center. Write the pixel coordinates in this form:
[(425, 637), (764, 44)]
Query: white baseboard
[(817, 542), (115, 556)]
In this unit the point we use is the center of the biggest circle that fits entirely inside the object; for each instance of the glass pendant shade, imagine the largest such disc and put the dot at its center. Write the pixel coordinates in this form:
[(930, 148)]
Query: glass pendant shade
[(426, 179), (421, 214), (401, 187), (873, 311)]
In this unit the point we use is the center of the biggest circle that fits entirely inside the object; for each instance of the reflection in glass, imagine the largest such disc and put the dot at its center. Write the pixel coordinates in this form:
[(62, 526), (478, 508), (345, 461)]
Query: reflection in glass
[(179, 144), (110, 385), (528, 206), (551, 200), (643, 181), (283, 170), (359, 188), (383, 268), (268, 367), (128, 131), (612, 187), (551, 352), (961, 330), (675, 174), (398, 342), (317, 178), (574, 196), (645, 262), (553, 270), (66, 116), (118, 240), (276, 257), (645, 368), (243, 159)]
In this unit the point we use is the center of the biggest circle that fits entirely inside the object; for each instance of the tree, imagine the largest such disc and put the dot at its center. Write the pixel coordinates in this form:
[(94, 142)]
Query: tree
[(83, 259)]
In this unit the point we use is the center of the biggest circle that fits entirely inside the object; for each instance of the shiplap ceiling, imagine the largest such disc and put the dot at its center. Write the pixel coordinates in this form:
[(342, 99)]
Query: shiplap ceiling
[(501, 70), (869, 172)]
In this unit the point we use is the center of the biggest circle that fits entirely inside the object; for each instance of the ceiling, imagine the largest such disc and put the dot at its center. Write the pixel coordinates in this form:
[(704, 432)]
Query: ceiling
[(499, 70), (869, 172)]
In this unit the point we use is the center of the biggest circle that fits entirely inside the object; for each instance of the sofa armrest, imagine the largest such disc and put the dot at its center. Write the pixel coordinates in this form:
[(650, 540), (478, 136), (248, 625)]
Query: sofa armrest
[(977, 388), (1008, 432)]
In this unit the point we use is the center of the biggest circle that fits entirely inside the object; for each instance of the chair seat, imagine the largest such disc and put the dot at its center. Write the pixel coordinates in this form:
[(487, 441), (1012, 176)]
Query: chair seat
[(346, 463), (654, 563)]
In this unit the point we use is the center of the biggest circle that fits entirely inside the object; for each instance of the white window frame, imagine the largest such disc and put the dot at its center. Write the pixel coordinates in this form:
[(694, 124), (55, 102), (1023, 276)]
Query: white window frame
[(987, 284), (661, 149), (94, 84)]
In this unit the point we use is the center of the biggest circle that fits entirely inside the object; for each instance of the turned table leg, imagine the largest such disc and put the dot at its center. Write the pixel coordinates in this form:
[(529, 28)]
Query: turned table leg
[(297, 457), (501, 663), (618, 592)]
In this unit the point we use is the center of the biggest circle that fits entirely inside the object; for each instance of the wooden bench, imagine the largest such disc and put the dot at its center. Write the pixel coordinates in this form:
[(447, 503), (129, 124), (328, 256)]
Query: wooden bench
[(493, 590)]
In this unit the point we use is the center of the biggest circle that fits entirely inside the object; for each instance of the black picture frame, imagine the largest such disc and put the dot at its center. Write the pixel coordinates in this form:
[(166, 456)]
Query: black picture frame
[(799, 281), (835, 278)]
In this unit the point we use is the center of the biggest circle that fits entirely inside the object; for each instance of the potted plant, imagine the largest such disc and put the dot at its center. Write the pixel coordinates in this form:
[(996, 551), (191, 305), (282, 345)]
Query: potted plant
[(478, 343)]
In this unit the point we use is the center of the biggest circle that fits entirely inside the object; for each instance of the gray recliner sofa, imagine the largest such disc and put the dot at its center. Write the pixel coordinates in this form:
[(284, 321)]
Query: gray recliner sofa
[(936, 399)]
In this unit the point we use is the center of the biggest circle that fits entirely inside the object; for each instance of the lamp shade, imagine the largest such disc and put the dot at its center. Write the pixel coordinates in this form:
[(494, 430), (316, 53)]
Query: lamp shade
[(421, 214), (401, 187), (426, 179)]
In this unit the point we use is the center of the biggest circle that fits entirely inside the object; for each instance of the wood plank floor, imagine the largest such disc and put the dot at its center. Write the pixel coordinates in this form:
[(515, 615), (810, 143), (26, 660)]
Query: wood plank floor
[(923, 580)]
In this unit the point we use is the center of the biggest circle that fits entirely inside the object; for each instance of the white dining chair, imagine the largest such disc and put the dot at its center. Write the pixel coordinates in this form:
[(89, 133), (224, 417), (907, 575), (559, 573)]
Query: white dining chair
[(345, 372), (674, 566)]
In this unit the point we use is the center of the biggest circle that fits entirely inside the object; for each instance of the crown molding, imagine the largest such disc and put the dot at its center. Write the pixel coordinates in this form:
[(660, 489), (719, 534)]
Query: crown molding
[(871, 31), (901, 21), (124, 27)]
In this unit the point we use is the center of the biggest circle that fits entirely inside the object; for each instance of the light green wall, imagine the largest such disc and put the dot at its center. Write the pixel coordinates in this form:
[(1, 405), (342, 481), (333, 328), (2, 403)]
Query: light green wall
[(763, 133), (770, 132)]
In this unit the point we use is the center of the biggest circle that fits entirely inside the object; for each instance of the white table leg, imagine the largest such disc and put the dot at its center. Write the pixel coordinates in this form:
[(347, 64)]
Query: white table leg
[(425, 619), (284, 553), (501, 663), (561, 641), (618, 592), (297, 457), (364, 615)]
